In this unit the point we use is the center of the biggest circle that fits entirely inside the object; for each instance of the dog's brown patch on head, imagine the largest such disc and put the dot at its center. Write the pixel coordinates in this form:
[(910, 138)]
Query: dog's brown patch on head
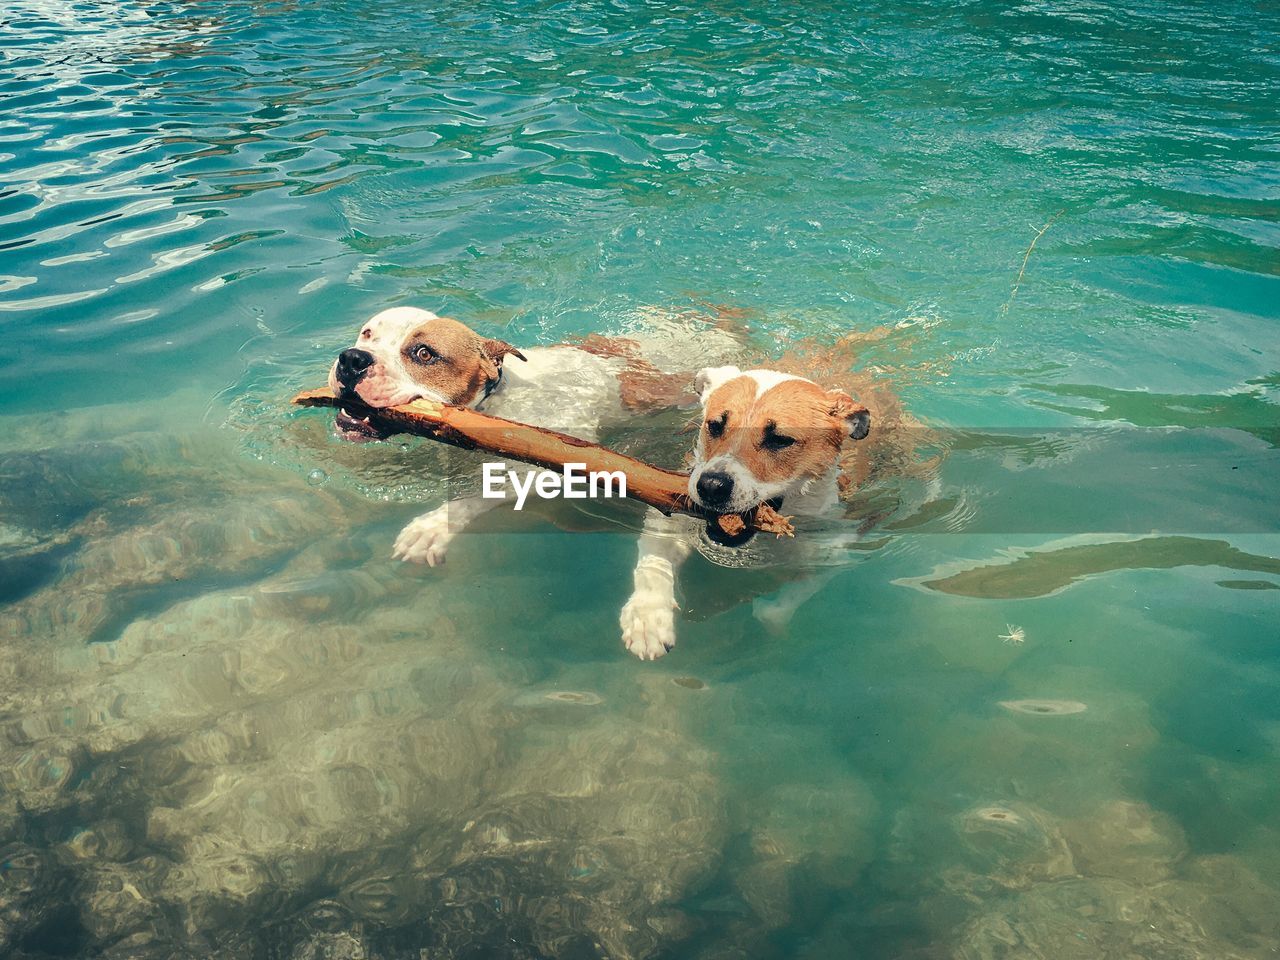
[(724, 412), (453, 360), (792, 430)]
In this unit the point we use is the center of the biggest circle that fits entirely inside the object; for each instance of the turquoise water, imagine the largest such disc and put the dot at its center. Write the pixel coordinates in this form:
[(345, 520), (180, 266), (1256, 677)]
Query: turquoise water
[(234, 727)]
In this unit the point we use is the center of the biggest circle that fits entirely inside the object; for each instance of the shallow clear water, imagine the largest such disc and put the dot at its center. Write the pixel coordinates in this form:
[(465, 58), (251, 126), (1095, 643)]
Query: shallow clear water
[(233, 726)]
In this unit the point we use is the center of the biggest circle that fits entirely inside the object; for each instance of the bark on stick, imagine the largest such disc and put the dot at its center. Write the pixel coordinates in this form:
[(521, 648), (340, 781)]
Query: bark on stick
[(470, 429)]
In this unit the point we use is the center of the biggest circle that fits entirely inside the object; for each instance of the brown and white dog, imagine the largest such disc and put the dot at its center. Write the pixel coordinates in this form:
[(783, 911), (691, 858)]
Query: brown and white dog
[(765, 437), (405, 353)]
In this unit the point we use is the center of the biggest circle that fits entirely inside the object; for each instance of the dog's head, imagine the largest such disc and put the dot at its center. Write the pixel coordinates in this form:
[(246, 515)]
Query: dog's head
[(405, 353), (764, 436)]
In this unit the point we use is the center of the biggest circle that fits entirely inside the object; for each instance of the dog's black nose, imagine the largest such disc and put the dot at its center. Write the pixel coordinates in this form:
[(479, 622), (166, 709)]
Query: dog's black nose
[(715, 488), (352, 365)]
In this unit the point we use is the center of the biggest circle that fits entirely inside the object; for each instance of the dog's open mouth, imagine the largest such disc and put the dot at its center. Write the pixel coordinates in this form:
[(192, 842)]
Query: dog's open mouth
[(718, 535), (357, 429)]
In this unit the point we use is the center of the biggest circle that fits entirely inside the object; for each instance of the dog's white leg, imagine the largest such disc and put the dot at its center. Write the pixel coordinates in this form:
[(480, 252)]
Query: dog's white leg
[(775, 612), (425, 539), (648, 619)]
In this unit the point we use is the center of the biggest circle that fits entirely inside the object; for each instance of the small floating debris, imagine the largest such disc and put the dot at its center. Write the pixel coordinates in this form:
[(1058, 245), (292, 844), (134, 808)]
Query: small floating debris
[(997, 815), (544, 698), (1045, 708), (1015, 635), (581, 697), (689, 683)]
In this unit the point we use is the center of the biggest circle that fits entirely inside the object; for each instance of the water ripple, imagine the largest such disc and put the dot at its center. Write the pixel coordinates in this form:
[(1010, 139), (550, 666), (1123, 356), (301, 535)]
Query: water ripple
[(542, 159)]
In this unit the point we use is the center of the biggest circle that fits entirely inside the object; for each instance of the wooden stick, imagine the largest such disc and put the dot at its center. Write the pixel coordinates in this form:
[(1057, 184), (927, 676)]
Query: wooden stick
[(469, 429), (1036, 239)]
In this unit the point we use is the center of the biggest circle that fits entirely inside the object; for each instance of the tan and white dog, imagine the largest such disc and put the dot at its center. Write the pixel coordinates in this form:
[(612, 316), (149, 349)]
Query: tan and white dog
[(765, 437), (405, 353)]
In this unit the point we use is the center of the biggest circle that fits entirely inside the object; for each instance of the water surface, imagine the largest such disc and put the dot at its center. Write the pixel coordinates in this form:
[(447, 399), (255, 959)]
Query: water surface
[(234, 727)]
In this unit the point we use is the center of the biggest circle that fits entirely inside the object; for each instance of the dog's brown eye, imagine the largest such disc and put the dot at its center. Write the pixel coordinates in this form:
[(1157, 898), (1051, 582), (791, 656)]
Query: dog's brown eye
[(715, 428), (366, 332), (776, 441), (424, 354)]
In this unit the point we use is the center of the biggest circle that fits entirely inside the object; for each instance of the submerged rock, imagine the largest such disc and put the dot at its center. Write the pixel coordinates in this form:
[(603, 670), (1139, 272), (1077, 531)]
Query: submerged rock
[(984, 851), (1013, 844), (804, 837), (271, 717), (31, 892), (1099, 917), (1126, 840), (329, 946), (115, 902), (106, 840), (43, 773)]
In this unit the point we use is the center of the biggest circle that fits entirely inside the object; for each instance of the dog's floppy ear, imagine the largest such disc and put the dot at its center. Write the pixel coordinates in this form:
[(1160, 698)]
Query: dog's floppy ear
[(708, 378), (856, 417), (495, 350)]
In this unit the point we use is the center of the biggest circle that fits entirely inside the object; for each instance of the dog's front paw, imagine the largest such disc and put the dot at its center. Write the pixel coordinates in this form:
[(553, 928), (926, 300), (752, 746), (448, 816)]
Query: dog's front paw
[(649, 625), (424, 540)]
